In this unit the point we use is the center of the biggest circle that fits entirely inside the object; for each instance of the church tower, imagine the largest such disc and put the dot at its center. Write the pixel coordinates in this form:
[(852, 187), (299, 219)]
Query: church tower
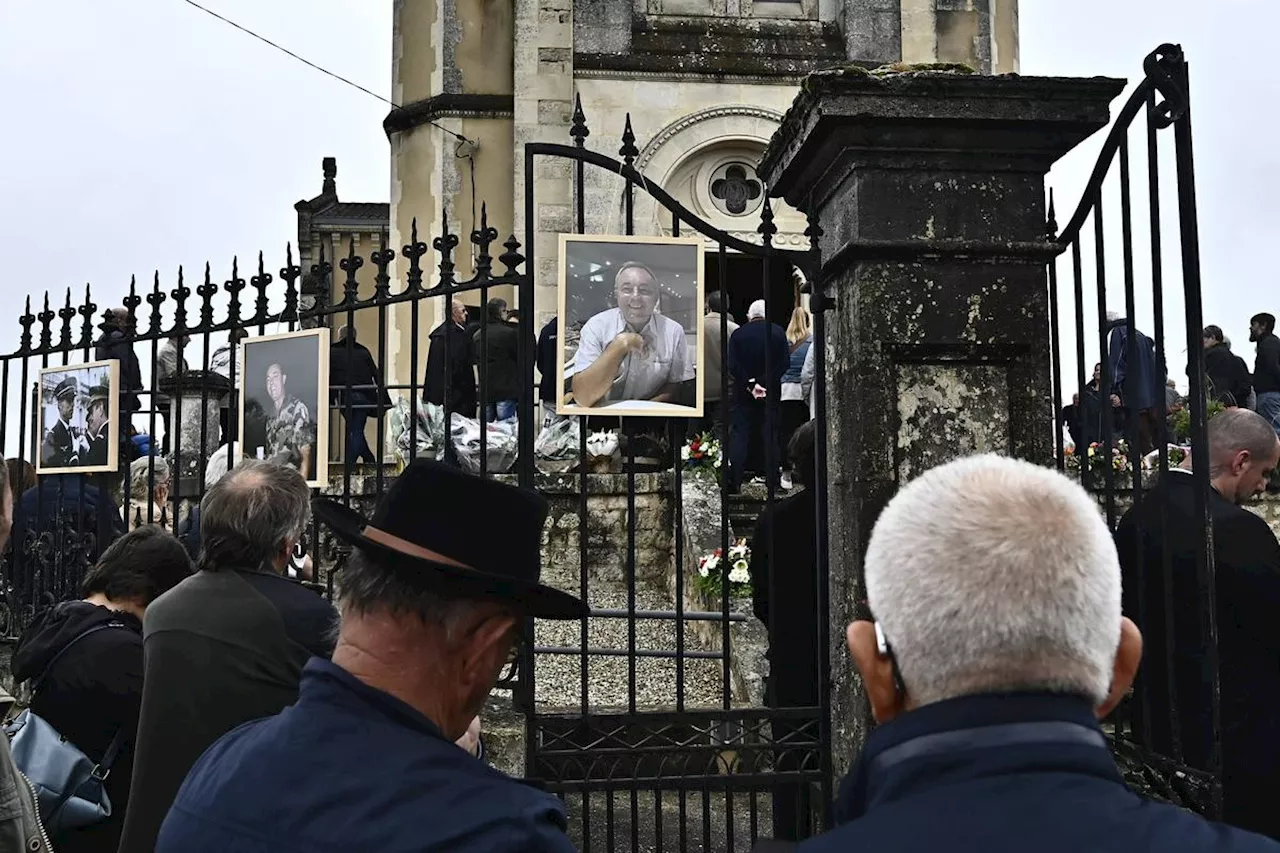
[(706, 83)]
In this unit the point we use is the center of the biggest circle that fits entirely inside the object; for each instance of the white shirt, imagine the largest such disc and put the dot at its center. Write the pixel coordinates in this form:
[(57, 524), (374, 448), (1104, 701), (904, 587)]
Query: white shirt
[(643, 375)]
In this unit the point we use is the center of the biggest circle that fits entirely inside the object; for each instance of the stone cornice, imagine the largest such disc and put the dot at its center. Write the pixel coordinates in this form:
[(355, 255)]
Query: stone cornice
[(689, 76), (448, 106), (676, 127)]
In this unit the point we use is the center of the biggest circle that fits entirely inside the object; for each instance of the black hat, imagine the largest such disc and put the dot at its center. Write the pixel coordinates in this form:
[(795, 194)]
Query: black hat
[(428, 525), (68, 387)]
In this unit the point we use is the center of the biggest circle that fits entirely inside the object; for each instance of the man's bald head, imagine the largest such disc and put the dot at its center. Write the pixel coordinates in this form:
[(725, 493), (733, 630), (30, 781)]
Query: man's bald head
[(252, 517), (1243, 451), (458, 310)]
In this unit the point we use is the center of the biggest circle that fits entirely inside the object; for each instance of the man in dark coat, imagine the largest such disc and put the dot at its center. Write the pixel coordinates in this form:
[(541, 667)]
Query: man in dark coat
[(356, 387), (115, 343), (497, 344), (431, 615), (993, 656), (451, 343), (758, 357), (548, 354), (1137, 380), (1227, 374), (1243, 453), (99, 426), (1266, 369), (784, 595), (228, 644)]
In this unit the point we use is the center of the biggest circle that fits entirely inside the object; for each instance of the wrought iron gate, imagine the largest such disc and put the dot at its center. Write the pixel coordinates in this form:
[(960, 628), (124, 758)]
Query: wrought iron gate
[(1114, 469), (672, 764)]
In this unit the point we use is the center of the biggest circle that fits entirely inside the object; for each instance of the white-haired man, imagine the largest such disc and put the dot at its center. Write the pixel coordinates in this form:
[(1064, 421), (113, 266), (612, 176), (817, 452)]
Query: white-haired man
[(758, 356), (998, 645), (1243, 451)]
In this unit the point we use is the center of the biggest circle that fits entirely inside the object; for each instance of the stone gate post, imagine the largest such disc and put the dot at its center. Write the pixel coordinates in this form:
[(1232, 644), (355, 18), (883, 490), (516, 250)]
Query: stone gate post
[(929, 188)]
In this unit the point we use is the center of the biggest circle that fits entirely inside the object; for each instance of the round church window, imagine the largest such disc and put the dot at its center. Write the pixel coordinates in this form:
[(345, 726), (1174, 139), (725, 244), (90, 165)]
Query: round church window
[(735, 189)]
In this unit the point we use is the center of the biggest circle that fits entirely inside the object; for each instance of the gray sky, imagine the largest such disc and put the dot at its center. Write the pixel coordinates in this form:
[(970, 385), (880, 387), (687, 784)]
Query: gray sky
[(144, 135)]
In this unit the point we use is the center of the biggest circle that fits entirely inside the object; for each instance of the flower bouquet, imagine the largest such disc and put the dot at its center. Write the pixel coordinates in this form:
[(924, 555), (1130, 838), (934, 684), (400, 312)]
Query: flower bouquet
[(714, 570), (702, 455), (1094, 464)]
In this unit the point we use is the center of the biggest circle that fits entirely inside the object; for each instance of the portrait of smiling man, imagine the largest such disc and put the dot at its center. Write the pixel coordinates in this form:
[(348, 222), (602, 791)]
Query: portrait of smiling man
[(631, 352)]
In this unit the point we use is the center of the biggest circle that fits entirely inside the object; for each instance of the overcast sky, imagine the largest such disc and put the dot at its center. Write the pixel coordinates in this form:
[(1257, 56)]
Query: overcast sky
[(144, 134)]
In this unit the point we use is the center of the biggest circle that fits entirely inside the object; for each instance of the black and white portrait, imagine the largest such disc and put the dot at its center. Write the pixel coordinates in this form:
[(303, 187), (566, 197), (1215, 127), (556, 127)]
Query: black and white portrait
[(630, 308), (283, 396), (78, 416)]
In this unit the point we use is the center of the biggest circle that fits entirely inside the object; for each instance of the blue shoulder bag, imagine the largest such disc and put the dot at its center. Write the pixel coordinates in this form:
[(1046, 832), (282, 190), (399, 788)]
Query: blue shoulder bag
[(69, 786)]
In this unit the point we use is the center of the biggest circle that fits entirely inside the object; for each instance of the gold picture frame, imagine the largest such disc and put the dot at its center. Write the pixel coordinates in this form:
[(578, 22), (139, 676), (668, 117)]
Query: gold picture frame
[(679, 278), (298, 351), (72, 445)]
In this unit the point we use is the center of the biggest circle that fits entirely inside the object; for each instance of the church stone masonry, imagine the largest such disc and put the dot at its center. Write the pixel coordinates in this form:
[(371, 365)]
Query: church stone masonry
[(705, 81)]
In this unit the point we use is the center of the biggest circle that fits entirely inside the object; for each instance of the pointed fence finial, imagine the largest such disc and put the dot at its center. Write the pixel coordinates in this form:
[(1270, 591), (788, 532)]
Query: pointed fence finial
[(578, 131), (628, 151)]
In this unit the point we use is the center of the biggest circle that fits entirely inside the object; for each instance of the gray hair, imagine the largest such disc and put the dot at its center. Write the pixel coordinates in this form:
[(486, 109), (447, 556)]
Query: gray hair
[(992, 574), (140, 476), (1234, 430), (366, 587), (249, 516)]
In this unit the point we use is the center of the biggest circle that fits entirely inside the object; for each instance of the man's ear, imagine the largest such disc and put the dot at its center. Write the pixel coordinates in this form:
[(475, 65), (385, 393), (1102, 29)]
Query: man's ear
[(887, 701), (1128, 656), (484, 648)]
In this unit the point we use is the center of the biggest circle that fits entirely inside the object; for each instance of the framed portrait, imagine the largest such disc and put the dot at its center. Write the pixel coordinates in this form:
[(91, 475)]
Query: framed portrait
[(79, 418), (630, 311), (284, 395)]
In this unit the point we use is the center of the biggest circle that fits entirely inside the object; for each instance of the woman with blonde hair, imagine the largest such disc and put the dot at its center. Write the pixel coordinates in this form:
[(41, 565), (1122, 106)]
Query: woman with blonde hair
[(794, 411)]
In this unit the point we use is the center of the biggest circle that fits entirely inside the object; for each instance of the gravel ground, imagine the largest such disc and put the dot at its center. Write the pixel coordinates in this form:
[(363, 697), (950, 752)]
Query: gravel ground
[(558, 677)]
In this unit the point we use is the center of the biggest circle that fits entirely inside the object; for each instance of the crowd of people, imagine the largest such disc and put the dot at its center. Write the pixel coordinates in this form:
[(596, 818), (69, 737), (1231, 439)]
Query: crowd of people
[(1132, 405), (212, 687), (226, 707)]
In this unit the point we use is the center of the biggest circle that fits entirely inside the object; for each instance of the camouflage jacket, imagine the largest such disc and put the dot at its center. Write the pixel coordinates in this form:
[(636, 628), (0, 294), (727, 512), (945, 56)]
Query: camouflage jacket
[(289, 431)]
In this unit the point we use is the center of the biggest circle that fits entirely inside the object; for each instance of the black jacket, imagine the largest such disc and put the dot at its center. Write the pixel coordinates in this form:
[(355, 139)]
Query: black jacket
[(548, 352), (784, 588), (92, 692), (114, 344), (353, 368), (1247, 564), (1266, 370), (757, 351), (1228, 374), (502, 358), (222, 648), (1019, 771), (452, 342)]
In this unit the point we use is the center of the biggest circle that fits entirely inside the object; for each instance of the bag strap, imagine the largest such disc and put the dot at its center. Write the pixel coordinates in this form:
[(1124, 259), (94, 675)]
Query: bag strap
[(39, 680)]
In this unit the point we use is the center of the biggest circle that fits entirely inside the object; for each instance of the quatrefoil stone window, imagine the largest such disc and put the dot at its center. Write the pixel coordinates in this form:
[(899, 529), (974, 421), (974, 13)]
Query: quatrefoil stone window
[(736, 190)]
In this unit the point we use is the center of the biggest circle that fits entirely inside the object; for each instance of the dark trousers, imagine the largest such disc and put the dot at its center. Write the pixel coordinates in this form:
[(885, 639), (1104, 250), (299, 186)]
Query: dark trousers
[(750, 427), (794, 414), (357, 445)]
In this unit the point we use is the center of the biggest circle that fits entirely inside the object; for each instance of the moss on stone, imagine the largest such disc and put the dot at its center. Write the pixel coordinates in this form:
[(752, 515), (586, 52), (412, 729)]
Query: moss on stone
[(924, 67)]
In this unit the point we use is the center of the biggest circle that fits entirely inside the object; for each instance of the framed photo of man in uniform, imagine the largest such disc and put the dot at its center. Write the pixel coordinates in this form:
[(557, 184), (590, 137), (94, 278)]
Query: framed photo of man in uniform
[(78, 418), (631, 310), (284, 394)]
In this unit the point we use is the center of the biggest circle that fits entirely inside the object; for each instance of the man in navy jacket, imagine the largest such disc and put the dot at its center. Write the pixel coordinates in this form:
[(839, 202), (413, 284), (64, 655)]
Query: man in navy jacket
[(758, 356), (993, 655), (366, 759)]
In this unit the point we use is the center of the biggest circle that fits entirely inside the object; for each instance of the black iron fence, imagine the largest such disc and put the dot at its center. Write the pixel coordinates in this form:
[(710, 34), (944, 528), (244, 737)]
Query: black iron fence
[(638, 714), (1114, 294)]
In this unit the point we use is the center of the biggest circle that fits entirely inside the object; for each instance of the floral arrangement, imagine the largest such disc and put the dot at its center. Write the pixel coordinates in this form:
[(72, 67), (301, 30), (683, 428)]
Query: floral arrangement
[(714, 569), (1173, 453), (1181, 419), (702, 454), (1093, 462)]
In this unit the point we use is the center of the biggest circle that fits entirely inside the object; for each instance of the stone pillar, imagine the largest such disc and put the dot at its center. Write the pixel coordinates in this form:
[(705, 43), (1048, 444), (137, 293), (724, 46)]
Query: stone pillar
[(930, 190), (196, 401)]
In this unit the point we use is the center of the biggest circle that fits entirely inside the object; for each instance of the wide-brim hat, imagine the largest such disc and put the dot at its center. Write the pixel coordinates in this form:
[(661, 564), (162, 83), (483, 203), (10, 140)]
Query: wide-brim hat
[(460, 534)]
